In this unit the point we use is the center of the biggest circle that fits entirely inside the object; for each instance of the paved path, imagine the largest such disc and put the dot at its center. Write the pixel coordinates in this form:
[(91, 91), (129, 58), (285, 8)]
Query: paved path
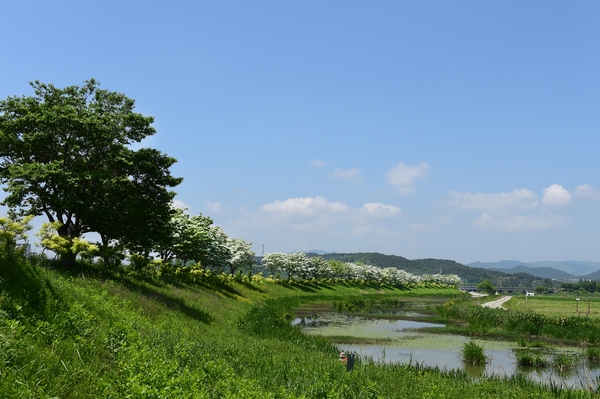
[(497, 304)]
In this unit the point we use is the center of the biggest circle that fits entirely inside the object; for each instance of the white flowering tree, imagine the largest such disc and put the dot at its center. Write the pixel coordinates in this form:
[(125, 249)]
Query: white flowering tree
[(319, 268), (190, 238), (340, 269), (242, 255), (275, 262), (217, 253), (299, 265)]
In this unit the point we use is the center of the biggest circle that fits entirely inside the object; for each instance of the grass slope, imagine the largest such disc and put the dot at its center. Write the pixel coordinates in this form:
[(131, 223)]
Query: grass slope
[(63, 336)]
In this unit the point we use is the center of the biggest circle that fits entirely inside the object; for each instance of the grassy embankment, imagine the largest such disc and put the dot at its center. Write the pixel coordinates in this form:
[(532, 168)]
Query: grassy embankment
[(70, 337)]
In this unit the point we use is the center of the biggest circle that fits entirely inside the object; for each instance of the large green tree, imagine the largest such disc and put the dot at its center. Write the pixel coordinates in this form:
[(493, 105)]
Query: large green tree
[(65, 153)]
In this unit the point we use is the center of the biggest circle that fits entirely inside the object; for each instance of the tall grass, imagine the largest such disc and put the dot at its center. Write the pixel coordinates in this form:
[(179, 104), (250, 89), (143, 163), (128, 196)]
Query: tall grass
[(530, 358), (485, 320)]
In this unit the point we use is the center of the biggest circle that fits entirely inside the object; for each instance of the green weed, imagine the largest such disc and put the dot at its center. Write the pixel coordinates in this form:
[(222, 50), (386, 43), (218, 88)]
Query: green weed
[(472, 353), (529, 358)]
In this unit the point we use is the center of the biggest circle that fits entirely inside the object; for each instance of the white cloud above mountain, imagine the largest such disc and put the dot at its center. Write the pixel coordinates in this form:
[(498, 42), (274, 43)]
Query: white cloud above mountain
[(516, 210), (511, 223)]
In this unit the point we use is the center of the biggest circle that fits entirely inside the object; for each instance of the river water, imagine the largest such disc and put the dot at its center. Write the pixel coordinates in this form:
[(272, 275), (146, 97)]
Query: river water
[(402, 341)]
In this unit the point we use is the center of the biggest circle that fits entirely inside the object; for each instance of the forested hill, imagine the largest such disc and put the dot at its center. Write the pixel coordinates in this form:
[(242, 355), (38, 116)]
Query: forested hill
[(468, 275)]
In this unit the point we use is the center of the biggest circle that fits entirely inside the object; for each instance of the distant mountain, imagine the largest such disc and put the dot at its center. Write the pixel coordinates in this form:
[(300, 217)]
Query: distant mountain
[(576, 268), (317, 251), (591, 276), (503, 264), (468, 275), (543, 272)]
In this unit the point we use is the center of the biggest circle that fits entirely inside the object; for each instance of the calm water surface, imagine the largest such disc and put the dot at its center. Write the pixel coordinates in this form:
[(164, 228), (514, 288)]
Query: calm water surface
[(405, 343)]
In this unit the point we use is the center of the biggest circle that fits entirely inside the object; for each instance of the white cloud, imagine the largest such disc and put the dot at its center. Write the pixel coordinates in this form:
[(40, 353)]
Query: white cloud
[(556, 196), (317, 214), (303, 206), (586, 191), (513, 223), (180, 204), (378, 209), (520, 200), (348, 174), (214, 207), (318, 163), (404, 176), (512, 210)]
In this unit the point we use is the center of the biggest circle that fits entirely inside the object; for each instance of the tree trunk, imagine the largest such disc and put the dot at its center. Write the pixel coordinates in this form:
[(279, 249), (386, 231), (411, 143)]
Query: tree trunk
[(68, 260)]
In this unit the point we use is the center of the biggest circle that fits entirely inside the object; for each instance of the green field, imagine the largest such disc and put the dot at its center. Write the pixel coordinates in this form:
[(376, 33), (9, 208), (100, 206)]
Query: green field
[(65, 336), (558, 306)]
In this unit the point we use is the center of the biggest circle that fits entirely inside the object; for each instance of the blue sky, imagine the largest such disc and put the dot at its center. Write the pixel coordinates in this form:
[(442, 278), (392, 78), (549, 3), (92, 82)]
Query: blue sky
[(462, 130)]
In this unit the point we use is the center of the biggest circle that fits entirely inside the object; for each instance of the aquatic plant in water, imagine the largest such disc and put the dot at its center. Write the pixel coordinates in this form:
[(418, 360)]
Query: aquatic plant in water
[(593, 353), (562, 361), (472, 353), (529, 358)]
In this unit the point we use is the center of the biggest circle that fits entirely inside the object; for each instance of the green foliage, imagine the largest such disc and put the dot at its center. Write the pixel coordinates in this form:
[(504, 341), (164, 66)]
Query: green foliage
[(583, 285), (472, 353), (592, 353), (12, 230), (64, 153), (486, 286), (540, 289), (64, 245), (531, 359), (483, 320), (563, 361)]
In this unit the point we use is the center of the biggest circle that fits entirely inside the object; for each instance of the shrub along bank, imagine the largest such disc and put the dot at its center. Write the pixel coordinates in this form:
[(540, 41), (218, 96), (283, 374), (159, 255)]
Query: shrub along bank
[(70, 337)]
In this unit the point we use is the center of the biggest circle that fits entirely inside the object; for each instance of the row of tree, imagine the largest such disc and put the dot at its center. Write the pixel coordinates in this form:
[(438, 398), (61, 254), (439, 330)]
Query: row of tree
[(587, 285), (196, 241), (67, 154), (299, 265)]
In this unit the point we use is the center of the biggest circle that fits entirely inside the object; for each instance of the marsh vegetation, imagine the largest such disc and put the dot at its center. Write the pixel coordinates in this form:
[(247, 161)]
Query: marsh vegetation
[(411, 331)]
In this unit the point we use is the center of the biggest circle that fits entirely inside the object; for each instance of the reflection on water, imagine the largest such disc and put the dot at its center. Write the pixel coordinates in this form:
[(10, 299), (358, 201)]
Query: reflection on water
[(405, 343)]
